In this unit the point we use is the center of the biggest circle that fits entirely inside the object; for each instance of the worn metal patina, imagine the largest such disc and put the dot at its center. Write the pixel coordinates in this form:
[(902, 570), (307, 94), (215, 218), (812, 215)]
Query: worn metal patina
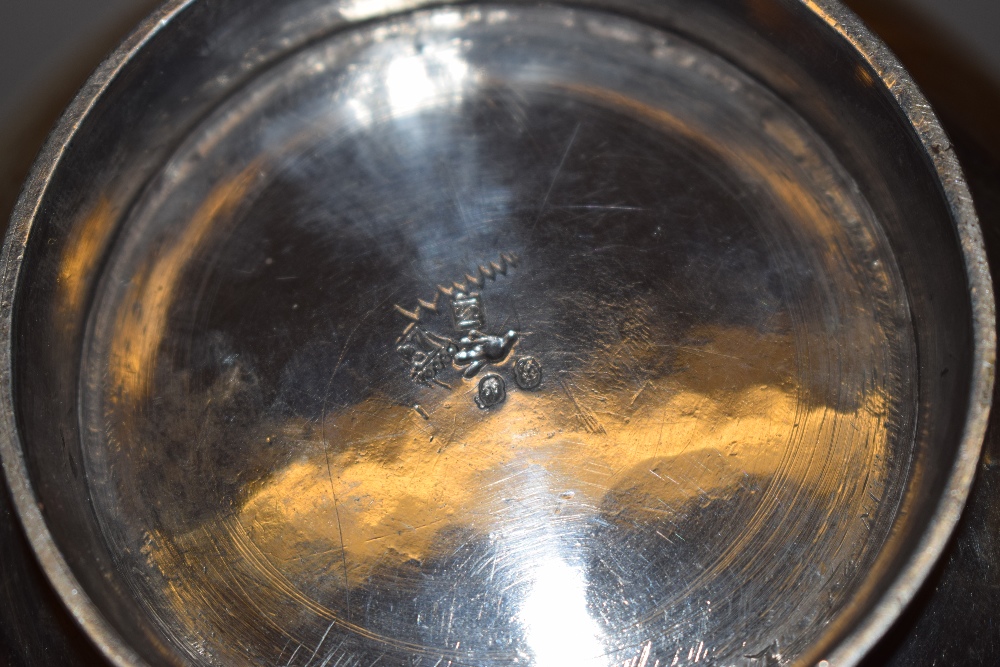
[(494, 335)]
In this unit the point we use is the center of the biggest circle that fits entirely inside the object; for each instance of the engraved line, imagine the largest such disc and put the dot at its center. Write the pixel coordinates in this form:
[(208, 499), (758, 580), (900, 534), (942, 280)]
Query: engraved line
[(429, 305), (493, 269), (414, 315), (489, 271)]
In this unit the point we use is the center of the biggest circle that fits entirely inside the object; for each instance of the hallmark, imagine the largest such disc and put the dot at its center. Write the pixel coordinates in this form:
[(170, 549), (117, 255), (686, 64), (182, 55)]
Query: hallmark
[(477, 350), (528, 373), (492, 391), (470, 349), (427, 353), (467, 309)]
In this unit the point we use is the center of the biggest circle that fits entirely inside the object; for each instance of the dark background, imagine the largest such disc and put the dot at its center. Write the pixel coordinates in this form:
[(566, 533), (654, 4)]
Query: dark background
[(952, 47)]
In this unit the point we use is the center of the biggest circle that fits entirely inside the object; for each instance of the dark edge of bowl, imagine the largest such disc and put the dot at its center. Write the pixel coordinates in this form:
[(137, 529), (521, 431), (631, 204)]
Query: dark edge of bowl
[(83, 610), (938, 149), (908, 97)]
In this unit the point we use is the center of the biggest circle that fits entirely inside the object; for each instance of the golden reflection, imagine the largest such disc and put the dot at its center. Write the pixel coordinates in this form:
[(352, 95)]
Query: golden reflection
[(377, 490), (395, 482), (82, 255), (382, 485), (142, 318)]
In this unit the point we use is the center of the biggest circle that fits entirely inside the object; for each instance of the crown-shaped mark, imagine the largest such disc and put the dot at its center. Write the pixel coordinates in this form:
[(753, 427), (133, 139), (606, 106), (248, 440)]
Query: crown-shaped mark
[(489, 271)]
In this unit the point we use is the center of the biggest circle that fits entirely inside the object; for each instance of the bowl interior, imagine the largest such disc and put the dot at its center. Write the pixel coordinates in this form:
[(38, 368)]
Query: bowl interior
[(491, 335)]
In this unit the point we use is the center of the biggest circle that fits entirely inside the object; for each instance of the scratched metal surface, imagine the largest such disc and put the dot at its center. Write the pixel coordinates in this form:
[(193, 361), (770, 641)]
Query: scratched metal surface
[(274, 414), (495, 336)]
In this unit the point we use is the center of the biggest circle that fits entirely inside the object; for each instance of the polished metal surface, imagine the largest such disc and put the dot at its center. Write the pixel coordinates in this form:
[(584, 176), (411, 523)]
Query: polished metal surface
[(276, 385), (496, 335)]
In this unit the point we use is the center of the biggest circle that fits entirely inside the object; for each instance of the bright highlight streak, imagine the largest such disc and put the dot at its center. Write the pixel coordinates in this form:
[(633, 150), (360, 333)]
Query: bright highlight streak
[(417, 82), (558, 628)]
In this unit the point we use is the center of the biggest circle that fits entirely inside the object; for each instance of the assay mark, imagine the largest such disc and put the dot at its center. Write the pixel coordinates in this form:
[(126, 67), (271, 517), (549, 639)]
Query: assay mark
[(469, 349)]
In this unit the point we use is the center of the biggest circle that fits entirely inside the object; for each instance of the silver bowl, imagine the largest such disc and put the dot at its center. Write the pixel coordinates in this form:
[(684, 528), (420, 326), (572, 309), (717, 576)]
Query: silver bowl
[(398, 333)]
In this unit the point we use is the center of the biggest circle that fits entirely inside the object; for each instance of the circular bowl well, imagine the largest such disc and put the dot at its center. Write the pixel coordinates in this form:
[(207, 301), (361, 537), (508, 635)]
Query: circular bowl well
[(620, 333)]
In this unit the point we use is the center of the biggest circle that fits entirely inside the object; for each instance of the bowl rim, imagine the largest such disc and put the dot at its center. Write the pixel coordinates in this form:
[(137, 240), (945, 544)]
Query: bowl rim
[(837, 17)]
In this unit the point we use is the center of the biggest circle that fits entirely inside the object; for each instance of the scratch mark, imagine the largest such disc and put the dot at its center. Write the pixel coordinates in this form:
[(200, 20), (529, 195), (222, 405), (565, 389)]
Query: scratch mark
[(408, 528), (698, 350), (321, 640), (326, 452), (283, 648), (334, 652), (639, 393), (659, 437), (294, 653), (590, 422), (555, 177), (769, 656), (644, 656), (600, 207), (340, 531)]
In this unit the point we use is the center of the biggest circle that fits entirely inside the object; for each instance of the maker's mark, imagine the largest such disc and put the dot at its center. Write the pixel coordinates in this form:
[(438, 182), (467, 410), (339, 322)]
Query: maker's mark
[(478, 350), (470, 349), (427, 353), (492, 391), (528, 373)]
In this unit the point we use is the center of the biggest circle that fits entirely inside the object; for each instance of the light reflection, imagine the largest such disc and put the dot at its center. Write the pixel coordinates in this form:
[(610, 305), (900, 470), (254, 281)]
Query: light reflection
[(385, 488), (362, 10), (557, 626), (82, 252), (401, 482), (382, 493), (359, 113), (142, 319), (415, 82)]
